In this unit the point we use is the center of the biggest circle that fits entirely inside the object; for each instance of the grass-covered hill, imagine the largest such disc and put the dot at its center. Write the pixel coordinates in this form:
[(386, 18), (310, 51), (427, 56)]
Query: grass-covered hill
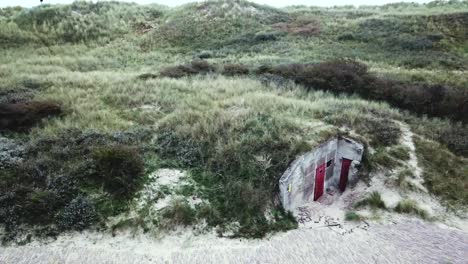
[(95, 97)]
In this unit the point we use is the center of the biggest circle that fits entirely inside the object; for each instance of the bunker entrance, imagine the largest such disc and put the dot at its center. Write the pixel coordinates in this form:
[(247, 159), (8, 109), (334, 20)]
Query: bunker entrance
[(330, 167)]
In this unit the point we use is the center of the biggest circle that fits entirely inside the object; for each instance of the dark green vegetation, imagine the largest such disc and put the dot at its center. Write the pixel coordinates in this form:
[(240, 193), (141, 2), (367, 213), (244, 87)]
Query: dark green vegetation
[(352, 216), (410, 207), (238, 164), (373, 200), (95, 96), (53, 183)]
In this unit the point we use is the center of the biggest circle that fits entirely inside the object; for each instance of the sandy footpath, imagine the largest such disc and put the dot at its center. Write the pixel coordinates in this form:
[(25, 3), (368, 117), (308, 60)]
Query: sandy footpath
[(408, 241)]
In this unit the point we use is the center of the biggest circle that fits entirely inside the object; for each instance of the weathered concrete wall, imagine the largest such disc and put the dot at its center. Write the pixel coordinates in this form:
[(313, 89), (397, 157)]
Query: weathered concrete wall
[(298, 182)]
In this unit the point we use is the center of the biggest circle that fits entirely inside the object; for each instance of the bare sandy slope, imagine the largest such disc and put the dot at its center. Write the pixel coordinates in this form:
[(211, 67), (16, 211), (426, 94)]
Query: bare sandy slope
[(408, 241)]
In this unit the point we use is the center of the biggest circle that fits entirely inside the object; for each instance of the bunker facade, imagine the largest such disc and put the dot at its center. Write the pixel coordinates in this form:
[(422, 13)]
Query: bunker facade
[(329, 167)]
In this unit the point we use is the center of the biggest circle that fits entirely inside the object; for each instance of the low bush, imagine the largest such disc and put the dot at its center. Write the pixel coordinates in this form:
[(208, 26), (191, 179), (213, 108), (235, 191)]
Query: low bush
[(77, 215), (346, 37), (410, 207), (232, 69), (147, 76), (183, 150), (195, 67), (337, 76), (266, 36), (455, 137), (205, 54), (119, 168), (23, 116)]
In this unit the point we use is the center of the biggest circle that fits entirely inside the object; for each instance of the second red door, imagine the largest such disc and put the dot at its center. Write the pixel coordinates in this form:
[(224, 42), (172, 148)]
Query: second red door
[(319, 181), (344, 174)]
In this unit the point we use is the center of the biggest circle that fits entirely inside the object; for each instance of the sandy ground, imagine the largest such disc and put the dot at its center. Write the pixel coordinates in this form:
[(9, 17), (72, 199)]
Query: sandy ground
[(407, 241)]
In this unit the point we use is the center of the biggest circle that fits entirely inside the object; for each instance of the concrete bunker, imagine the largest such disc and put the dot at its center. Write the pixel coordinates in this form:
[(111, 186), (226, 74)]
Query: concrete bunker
[(330, 167)]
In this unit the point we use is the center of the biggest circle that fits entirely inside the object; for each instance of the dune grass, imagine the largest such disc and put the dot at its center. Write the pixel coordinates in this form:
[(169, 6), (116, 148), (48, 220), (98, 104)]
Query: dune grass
[(373, 200), (411, 207), (236, 134)]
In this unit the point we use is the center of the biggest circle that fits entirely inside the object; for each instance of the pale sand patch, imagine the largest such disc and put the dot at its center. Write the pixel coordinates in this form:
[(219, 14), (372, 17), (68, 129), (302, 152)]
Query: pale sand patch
[(407, 241)]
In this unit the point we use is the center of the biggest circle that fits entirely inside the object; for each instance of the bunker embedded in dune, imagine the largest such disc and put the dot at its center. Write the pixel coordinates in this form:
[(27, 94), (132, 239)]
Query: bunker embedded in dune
[(328, 169)]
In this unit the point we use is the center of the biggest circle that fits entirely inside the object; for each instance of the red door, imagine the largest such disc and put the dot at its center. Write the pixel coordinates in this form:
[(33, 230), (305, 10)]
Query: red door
[(319, 181), (344, 174)]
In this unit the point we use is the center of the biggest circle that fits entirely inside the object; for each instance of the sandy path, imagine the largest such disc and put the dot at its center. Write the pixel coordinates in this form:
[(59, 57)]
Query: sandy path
[(409, 241)]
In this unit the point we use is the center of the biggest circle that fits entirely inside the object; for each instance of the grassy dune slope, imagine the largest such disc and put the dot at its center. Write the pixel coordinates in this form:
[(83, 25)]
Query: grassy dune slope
[(234, 134)]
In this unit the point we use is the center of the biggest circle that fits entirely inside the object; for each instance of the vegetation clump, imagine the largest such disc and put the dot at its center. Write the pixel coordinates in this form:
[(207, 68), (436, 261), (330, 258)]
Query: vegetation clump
[(374, 200), (119, 168), (22, 116), (410, 207), (232, 69), (353, 216), (178, 213), (79, 214), (53, 186), (195, 67)]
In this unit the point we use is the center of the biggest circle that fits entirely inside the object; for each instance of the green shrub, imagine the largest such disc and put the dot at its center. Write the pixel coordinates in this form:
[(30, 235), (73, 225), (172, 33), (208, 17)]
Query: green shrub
[(181, 149), (119, 168), (337, 75), (346, 37), (373, 200), (146, 76), (77, 215), (353, 216), (235, 69), (266, 36), (410, 207), (455, 137), (195, 67)]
